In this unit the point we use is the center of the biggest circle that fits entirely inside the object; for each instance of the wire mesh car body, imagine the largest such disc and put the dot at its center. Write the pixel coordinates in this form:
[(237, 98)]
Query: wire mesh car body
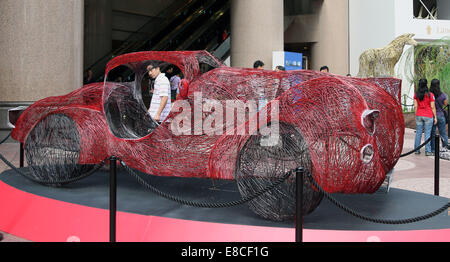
[(249, 125)]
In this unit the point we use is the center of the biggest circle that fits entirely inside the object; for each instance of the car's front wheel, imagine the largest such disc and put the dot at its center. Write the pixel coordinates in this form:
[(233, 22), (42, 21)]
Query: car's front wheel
[(262, 161), (52, 151)]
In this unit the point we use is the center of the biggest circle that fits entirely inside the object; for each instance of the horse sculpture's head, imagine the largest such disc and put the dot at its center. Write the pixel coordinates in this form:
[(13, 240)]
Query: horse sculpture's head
[(407, 39)]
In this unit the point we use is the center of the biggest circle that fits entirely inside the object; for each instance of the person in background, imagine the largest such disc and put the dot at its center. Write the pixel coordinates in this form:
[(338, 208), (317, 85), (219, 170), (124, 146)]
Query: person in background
[(425, 111), (279, 68), (89, 77), (224, 35), (258, 64), (160, 104), (174, 81), (440, 103), (324, 69)]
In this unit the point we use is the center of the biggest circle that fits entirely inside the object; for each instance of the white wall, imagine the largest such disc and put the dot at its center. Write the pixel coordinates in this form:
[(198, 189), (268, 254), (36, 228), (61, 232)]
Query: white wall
[(277, 59), (370, 26)]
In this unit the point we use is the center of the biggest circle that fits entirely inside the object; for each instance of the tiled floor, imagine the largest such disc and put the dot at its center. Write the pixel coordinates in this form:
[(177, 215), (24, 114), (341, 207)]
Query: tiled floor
[(413, 172)]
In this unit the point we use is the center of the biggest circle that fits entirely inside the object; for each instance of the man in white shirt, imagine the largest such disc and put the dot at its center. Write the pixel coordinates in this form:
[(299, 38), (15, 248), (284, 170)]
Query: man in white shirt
[(160, 103)]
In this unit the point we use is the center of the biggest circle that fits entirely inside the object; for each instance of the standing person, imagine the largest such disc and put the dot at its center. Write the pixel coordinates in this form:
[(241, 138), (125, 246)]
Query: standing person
[(160, 104), (279, 68), (174, 82), (224, 35), (441, 102), (258, 64), (425, 111), (89, 77), (324, 69)]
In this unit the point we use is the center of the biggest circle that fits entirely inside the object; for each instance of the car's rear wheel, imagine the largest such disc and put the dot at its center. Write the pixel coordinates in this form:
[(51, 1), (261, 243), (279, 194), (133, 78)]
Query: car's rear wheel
[(52, 151), (261, 162)]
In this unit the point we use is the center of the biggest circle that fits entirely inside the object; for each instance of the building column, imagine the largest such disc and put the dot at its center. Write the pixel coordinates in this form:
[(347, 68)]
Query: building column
[(256, 31), (42, 48), (41, 51)]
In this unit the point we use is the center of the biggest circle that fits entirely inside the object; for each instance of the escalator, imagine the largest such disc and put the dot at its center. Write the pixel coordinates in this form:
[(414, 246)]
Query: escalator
[(185, 25), (208, 35)]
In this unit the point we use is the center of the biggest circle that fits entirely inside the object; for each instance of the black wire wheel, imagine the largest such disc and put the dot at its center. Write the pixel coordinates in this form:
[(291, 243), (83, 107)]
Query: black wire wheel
[(52, 151), (263, 160)]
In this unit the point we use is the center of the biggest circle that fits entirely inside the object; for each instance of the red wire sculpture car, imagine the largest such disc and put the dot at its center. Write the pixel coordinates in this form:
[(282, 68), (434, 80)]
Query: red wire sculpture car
[(249, 125)]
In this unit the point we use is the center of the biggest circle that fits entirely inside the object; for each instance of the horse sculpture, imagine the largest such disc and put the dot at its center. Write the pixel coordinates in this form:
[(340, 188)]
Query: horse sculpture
[(380, 62)]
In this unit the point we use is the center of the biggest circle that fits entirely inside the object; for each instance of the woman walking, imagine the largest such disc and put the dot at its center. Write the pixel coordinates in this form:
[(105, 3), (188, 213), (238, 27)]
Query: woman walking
[(441, 102), (425, 111)]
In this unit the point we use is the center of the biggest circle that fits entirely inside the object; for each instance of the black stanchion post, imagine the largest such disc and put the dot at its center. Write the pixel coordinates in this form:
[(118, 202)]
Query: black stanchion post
[(112, 198), (436, 164), (299, 204), (21, 155)]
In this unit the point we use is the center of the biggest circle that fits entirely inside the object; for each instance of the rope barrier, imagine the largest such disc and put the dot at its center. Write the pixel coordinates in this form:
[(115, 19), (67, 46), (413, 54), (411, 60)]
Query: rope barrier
[(206, 205), (376, 220), (6, 138), (419, 147)]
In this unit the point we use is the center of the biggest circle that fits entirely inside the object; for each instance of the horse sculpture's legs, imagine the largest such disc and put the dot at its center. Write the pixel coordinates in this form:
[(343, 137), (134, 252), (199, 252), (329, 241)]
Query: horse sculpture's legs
[(381, 68), (363, 66)]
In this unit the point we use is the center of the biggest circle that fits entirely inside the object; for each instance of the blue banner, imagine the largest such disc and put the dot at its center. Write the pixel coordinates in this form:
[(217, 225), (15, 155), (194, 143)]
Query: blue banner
[(293, 61)]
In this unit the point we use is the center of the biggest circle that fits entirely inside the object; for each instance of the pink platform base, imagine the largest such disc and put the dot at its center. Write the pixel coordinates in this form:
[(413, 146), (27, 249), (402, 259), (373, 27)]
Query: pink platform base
[(43, 219)]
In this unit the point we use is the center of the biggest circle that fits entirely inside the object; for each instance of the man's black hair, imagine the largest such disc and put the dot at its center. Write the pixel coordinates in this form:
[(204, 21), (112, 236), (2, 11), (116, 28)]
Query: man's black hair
[(324, 67), (258, 63)]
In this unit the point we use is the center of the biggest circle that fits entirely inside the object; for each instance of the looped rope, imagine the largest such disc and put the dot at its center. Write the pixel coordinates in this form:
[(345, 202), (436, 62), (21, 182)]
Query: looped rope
[(6, 138), (50, 182), (205, 205), (419, 147), (376, 220)]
